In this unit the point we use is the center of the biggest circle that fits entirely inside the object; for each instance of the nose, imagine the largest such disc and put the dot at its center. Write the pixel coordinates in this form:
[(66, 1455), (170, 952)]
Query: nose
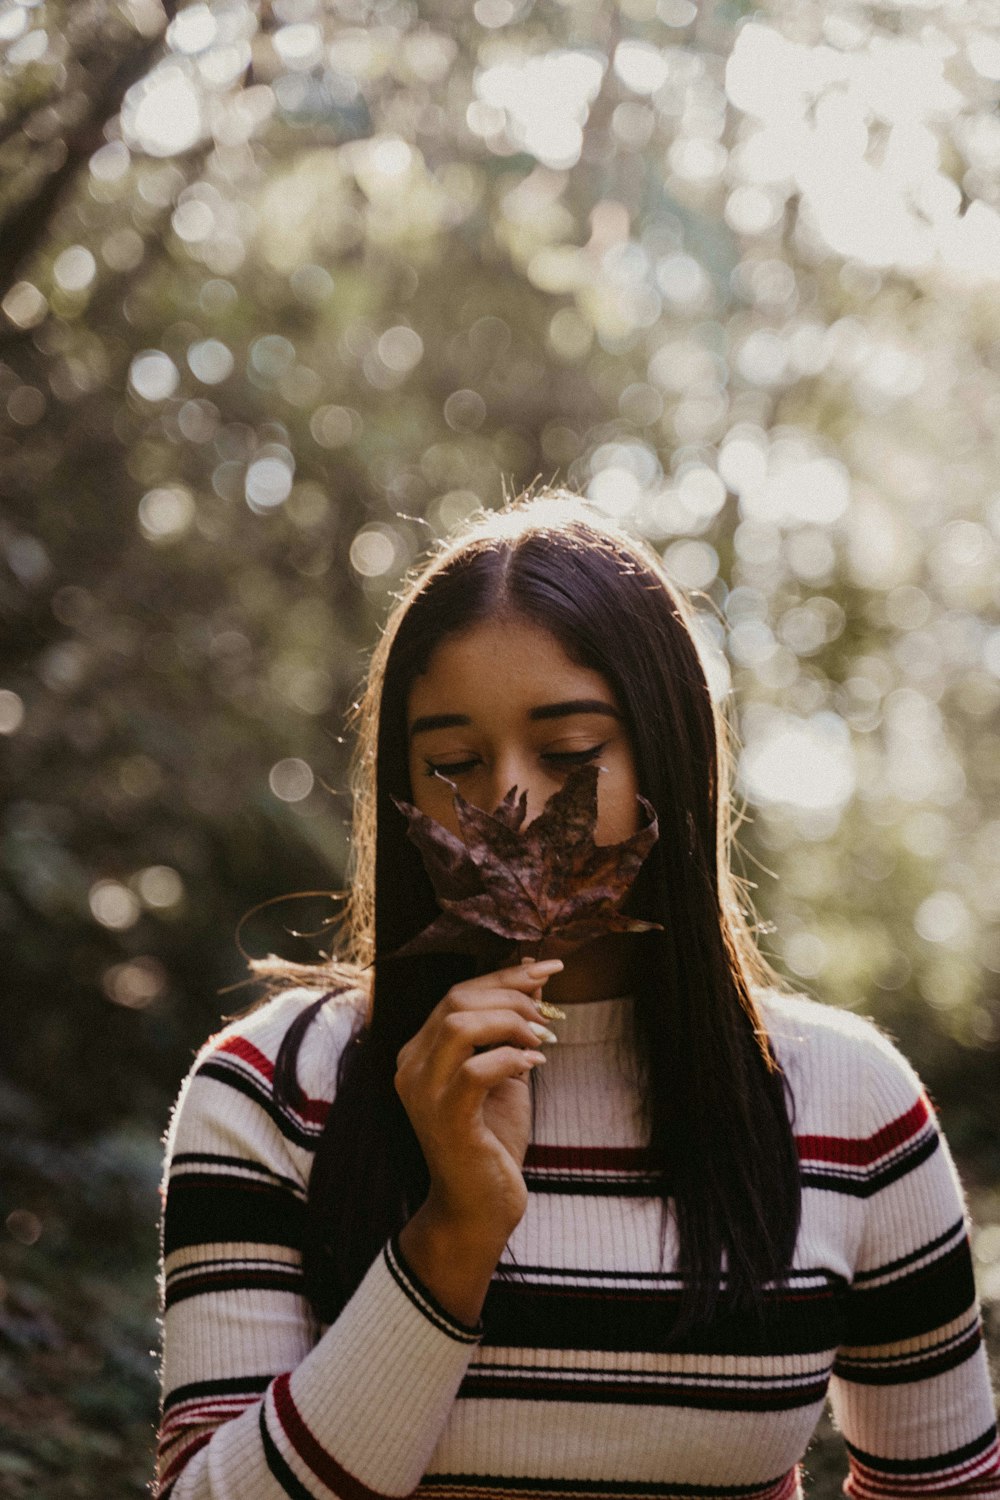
[(510, 771)]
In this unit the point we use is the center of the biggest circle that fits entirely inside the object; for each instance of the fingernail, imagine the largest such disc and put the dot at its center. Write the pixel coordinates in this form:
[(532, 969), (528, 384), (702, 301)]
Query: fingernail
[(542, 1032), (546, 966), (533, 1058)]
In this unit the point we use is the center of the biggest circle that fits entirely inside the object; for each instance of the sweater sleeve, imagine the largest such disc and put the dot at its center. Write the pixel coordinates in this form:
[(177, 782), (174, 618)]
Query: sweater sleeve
[(910, 1389), (256, 1402)]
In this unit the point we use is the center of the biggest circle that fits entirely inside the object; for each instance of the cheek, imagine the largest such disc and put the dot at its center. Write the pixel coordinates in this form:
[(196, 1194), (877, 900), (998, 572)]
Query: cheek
[(618, 811), (434, 799), (445, 815)]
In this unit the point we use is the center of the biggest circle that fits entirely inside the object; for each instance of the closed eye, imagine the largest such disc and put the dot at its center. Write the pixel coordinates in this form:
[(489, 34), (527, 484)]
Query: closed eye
[(455, 768), (574, 757), (556, 757)]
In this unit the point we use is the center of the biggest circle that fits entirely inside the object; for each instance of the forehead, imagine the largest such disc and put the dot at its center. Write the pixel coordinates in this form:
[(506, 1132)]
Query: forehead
[(502, 663)]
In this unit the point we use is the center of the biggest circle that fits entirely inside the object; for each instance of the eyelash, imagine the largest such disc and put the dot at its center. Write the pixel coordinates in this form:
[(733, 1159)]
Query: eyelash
[(562, 757)]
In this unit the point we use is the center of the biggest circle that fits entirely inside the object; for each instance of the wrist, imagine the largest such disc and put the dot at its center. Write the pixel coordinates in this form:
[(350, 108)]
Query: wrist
[(448, 1230), (454, 1259)]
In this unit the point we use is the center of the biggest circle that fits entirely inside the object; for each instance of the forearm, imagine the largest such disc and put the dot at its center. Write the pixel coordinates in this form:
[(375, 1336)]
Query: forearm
[(366, 1405), (454, 1263)]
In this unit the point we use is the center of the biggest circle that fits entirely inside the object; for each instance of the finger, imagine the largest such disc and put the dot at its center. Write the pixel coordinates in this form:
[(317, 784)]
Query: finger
[(523, 977), (534, 968), (464, 1033), (508, 1002), (482, 1073)]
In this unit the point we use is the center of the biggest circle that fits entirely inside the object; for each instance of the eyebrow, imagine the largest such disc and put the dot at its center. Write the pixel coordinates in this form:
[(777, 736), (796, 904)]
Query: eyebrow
[(543, 711)]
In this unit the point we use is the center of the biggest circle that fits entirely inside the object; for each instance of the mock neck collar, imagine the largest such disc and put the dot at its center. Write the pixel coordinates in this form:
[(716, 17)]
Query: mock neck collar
[(589, 1021)]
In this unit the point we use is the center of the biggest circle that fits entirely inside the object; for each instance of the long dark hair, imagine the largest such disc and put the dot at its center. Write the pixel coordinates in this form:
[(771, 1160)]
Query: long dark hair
[(718, 1108)]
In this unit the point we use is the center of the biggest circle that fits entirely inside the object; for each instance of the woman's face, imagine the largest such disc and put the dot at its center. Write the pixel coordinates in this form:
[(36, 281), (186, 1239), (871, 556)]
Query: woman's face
[(502, 705)]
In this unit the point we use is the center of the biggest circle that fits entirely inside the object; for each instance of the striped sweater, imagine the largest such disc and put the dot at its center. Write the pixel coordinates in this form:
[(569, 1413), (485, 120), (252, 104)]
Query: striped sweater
[(560, 1390)]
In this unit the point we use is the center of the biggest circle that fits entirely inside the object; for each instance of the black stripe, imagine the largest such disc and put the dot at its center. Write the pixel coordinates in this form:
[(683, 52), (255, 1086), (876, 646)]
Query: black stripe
[(210, 1209), (463, 1485), (906, 1260), (230, 1263), (215, 1158), (415, 1289), (240, 1385), (280, 1279), (521, 1316), (889, 1373), (940, 1461), (593, 1187), (864, 1187), (493, 1384), (922, 1150), (602, 1371), (829, 1179), (660, 1279), (915, 1304), (261, 1095), (279, 1467)]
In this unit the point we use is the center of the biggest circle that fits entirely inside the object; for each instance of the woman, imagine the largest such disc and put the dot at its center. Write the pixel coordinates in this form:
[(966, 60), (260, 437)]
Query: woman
[(412, 1242)]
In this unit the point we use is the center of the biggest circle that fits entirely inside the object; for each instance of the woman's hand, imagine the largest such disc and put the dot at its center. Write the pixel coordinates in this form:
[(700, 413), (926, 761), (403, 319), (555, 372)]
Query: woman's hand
[(471, 1108)]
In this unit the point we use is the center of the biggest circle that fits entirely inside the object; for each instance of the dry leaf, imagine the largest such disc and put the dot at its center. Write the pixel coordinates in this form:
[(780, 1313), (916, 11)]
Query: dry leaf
[(547, 884)]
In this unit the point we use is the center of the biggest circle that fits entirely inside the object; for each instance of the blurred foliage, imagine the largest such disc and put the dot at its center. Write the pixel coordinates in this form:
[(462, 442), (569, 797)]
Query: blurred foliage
[(77, 1313), (288, 289)]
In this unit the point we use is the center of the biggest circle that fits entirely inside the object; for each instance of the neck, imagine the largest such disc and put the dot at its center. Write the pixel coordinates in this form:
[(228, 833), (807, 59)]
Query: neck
[(600, 970)]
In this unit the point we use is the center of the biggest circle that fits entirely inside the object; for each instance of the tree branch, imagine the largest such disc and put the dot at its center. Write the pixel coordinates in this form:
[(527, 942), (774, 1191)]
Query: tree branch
[(25, 227)]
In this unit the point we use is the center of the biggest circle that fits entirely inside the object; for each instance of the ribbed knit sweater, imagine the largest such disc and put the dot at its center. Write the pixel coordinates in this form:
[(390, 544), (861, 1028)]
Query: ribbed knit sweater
[(560, 1390)]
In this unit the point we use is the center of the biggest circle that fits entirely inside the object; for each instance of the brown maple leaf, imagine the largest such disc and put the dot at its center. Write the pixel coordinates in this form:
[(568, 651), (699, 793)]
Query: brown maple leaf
[(547, 884)]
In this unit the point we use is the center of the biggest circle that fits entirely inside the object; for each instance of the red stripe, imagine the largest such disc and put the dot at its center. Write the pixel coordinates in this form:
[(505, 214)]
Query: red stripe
[(182, 1458), (840, 1150), (259, 1061), (313, 1110), (865, 1489), (786, 1486), (849, 1152), (322, 1464), (944, 1479), (438, 1487), (190, 1412)]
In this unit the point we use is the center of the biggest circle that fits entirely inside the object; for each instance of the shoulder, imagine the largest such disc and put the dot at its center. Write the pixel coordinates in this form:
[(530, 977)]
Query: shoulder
[(866, 1131), (801, 1026), (232, 1077), (839, 1062), (259, 1033)]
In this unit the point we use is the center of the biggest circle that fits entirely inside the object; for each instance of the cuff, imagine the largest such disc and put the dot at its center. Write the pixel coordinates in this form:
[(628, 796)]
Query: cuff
[(368, 1404), (421, 1297)]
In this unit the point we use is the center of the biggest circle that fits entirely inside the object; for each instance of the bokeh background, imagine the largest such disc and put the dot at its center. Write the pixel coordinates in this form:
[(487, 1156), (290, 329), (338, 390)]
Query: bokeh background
[(287, 290)]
